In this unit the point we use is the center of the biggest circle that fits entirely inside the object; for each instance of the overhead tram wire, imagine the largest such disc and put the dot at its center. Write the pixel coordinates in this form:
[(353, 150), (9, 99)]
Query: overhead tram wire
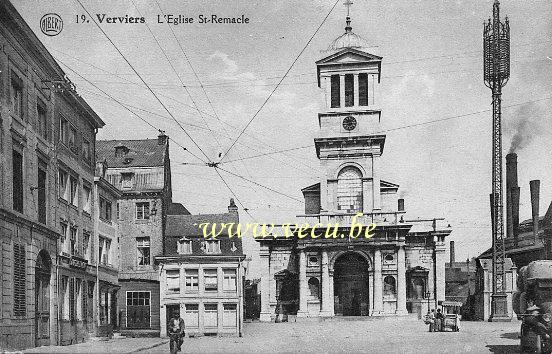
[(128, 106), (209, 163), (174, 70), (143, 81), (125, 107), (260, 185), (201, 85), (234, 194), (278, 84), (192, 67), (194, 108)]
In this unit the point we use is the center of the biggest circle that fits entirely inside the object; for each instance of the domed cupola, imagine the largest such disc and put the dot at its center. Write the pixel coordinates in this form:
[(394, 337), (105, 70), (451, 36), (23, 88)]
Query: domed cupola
[(349, 39)]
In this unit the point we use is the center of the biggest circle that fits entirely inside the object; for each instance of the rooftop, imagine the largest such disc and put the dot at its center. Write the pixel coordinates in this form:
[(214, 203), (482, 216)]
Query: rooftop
[(131, 153)]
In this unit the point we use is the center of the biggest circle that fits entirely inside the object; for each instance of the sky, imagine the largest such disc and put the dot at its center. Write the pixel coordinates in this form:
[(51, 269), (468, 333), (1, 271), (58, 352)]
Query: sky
[(431, 71)]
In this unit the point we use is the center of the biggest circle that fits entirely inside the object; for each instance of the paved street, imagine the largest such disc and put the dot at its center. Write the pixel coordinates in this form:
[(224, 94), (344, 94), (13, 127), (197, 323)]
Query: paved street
[(372, 336), (120, 345)]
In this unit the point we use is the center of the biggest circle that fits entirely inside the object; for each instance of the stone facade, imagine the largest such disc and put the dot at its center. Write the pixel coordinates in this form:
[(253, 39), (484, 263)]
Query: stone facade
[(399, 268), (107, 251), (35, 98), (202, 279), (140, 170)]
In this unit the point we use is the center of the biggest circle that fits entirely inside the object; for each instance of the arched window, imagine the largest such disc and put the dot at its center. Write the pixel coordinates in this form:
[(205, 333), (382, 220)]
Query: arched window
[(314, 287), (389, 286), (349, 190)]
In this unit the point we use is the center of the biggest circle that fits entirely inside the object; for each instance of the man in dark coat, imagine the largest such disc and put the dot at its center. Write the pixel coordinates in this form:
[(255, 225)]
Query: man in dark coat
[(176, 325)]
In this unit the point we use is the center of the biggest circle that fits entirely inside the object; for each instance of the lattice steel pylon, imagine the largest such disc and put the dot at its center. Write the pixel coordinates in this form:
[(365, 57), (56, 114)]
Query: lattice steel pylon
[(496, 71)]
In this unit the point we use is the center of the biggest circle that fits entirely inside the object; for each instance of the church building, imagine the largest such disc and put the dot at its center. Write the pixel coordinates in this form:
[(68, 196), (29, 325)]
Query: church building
[(401, 268)]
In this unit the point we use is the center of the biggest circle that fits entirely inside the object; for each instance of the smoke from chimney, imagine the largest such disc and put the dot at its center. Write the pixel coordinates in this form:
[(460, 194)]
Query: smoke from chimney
[(524, 125)]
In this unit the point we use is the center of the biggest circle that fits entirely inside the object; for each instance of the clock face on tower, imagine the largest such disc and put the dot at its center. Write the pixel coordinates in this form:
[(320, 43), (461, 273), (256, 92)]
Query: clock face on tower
[(349, 123)]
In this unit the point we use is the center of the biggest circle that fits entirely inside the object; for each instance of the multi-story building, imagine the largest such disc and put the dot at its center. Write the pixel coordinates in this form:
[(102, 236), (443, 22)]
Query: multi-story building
[(140, 169), (202, 279), (46, 153), (106, 255), (401, 267)]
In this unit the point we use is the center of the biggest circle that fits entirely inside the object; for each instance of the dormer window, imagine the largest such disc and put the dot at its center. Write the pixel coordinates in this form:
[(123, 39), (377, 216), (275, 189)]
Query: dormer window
[(121, 150), (211, 246), (184, 246)]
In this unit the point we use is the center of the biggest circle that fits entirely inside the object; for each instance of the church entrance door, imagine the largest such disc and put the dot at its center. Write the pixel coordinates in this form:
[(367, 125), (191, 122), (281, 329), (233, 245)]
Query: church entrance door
[(351, 285)]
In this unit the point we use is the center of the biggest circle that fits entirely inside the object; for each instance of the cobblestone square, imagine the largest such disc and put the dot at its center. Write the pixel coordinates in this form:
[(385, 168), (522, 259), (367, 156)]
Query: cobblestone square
[(389, 335)]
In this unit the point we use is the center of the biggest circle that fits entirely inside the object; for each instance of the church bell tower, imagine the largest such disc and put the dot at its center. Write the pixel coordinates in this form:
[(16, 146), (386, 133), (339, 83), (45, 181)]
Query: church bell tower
[(348, 144)]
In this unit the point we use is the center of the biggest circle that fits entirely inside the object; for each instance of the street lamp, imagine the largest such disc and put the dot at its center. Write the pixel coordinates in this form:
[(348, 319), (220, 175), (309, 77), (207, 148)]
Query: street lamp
[(427, 295)]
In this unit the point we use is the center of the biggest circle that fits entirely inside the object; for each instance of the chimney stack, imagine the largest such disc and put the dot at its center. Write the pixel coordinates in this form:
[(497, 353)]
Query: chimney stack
[(400, 206), (232, 208), (162, 138), (534, 187), (512, 196), (452, 253)]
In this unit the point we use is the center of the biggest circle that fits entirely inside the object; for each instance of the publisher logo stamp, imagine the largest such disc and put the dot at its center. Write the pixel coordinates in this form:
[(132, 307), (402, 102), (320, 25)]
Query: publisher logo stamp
[(51, 24)]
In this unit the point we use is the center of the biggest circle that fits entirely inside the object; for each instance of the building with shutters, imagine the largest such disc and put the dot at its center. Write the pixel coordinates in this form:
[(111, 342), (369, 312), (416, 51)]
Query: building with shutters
[(106, 259), (202, 279), (140, 170), (399, 269), (47, 139)]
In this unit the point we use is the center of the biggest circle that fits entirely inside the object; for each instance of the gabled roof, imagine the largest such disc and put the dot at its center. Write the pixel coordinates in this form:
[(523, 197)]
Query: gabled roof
[(314, 188), (177, 209), (388, 185), (141, 153), (332, 58), (188, 225)]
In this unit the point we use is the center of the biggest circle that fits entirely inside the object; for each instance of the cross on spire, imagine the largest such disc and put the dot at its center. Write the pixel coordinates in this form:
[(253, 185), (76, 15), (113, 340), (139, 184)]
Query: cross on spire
[(348, 4)]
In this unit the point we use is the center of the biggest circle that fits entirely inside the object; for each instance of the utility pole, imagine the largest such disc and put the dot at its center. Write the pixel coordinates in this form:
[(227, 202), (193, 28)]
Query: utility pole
[(496, 71)]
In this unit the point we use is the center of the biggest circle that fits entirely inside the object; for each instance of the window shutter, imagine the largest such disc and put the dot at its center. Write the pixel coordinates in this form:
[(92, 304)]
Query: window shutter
[(20, 305), (72, 299)]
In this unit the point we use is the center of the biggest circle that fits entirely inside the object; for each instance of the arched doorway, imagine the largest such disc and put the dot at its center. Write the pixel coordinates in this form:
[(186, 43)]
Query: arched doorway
[(43, 270), (351, 285)]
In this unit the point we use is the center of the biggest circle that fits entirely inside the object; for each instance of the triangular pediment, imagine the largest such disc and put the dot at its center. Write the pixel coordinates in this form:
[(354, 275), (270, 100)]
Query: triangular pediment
[(348, 55), (388, 185)]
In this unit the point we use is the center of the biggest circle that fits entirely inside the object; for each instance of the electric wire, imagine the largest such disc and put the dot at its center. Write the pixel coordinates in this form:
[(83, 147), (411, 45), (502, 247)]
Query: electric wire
[(143, 81), (279, 82)]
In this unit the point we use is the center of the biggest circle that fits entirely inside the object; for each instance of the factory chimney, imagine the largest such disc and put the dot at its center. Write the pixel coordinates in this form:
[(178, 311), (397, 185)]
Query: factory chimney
[(512, 197), (534, 187), (452, 254)]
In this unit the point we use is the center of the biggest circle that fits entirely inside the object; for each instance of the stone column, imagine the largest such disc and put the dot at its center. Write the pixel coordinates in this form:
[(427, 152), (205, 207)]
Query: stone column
[(328, 88), (376, 182), (265, 286), (440, 270), (342, 90), (332, 304), (401, 282), (326, 295), (355, 92), (303, 285), (378, 284)]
